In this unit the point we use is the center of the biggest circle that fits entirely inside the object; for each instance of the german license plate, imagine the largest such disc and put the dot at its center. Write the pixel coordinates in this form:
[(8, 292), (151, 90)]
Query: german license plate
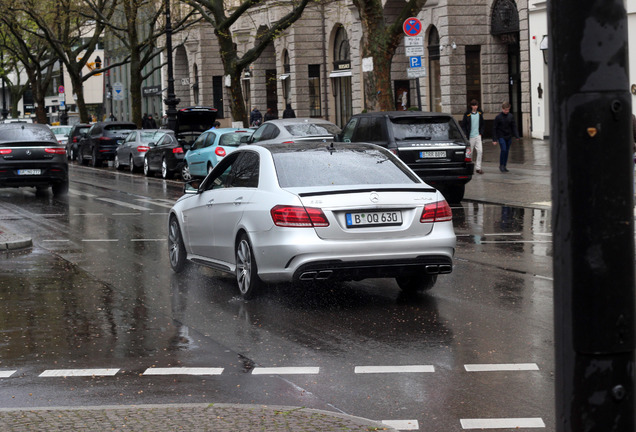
[(29, 172), (361, 219), (432, 154)]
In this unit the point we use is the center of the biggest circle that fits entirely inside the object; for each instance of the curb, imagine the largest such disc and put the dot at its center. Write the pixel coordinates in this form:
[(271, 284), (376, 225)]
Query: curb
[(10, 241)]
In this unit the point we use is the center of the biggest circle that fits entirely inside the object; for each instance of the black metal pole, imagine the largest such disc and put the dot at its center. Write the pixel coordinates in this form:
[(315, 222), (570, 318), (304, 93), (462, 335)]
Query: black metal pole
[(171, 100), (593, 216), (5, 111)]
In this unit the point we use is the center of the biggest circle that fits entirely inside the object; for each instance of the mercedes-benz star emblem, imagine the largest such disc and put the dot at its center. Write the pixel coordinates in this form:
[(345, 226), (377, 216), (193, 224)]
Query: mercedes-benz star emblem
[(28, 152), (374, 197)]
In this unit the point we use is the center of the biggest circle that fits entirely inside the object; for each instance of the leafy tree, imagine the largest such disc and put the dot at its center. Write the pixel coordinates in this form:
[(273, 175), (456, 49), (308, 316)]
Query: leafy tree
[(71, 33), (221, 19), (33, 55), (136, 24), (380, 38)]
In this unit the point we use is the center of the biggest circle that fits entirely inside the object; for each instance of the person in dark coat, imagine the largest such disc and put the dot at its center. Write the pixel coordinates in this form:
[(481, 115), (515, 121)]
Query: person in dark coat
[(270, 115), (289, 112), (255, 117), (503, 129)]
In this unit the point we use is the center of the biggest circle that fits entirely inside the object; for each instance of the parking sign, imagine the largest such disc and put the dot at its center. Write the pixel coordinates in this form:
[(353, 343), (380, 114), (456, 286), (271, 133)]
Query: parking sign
[(415, 62)]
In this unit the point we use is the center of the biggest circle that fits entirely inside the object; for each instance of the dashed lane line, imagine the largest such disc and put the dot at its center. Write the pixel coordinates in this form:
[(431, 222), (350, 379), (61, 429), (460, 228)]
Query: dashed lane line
[(503, 423), (124, 204), (184, 371), (501, 367), (285, 370), (394, 369), (7, 374), (78, 372)]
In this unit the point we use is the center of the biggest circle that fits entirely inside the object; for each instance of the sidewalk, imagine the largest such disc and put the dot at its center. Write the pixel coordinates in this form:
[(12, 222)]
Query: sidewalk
[(188, 417), (528, 183)]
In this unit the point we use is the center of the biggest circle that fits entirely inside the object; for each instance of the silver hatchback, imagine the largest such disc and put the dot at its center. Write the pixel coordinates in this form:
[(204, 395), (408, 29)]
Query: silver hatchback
[(316, 212)]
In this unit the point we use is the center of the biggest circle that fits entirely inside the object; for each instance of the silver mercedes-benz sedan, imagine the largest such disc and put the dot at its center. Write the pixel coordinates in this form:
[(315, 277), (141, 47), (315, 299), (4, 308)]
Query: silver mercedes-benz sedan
[(313, 212)]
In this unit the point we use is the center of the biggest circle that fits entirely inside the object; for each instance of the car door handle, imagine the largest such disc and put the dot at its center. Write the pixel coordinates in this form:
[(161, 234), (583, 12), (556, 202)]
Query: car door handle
[(210, 203), (238, 201)]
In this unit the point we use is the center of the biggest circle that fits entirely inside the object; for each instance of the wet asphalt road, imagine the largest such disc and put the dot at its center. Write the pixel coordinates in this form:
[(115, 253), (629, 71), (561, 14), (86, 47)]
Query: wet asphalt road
[(96, 291)]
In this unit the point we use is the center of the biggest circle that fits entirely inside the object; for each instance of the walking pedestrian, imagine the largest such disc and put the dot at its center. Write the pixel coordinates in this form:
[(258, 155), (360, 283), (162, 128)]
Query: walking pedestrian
[(503, 129), (269, 115), (473, 124), (289, 112), (255, 117)]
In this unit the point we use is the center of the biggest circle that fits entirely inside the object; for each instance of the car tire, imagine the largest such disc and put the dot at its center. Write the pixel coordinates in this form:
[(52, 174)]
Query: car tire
[(165, 172), (416, 283), (72, 154), (94, 162), (454, 194), (185, 172), (117, 164), (60, 189), (210, 168), (131, 165), (80, 158), (147, 171), (246, 269), (176, 248)]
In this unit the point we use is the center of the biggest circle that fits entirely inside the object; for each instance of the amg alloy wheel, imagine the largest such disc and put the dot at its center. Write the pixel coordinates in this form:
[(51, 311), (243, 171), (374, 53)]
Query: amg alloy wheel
[(176, 248), (246, 269)]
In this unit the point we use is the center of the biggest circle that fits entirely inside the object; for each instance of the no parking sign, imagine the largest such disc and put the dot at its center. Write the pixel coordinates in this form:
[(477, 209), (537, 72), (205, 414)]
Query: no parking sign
[(412, 26)]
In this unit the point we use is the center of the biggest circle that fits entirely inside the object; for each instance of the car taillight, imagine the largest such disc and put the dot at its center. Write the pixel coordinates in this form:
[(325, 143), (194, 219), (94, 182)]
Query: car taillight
[(438, 211), (5, 151), (56, 150), (220, 151), (298, 217), (75, 139), (177, 150), (103, 138), (469, 155), (142, 149)]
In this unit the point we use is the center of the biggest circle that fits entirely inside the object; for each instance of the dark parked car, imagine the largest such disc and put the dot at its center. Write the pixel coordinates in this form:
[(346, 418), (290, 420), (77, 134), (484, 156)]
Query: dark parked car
[(74, 137), (167, 157), (193, 121), (100, 142), (431, 144), (31, 156), (130, 154)]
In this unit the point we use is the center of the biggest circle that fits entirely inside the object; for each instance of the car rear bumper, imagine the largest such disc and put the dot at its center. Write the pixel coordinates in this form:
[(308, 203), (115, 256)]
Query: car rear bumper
[(50, 174), (447, 174), (283, 259)]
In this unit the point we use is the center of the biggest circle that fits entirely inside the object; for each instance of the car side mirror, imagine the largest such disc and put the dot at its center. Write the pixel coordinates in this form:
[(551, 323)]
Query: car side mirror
[(187, 147), (192, 187)]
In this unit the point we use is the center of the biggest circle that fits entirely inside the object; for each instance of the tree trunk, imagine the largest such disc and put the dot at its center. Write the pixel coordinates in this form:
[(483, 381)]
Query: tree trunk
[(378, 90), (136, 80), (78, 88)]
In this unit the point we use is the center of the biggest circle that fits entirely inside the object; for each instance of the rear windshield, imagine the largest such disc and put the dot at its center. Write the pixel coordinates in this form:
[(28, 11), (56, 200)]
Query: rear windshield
[(148, 137), (425, 128), (119, 127), (61, 130), (232, 139), (343, 167), (312, 129), (21, 132)]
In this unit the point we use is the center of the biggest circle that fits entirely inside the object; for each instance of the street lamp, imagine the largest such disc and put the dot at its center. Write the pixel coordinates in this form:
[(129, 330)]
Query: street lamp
[(171, 100)]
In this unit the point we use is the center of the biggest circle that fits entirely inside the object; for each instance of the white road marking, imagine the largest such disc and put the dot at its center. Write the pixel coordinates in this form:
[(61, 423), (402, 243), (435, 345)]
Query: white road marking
[(285, 370), (78, 372), (124, 204), (56, 240), (6, 374), (88, 214), (402, 424), (502, 423), (155, 202), (126, 214), (501, 367), (184, 371), (394, 369)]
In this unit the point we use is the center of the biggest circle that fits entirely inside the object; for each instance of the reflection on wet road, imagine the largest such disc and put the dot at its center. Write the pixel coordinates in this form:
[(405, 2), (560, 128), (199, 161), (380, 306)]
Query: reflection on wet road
[(96, 292)]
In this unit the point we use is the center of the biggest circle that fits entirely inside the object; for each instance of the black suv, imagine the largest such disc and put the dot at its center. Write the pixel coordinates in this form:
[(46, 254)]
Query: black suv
[(431, 144), (74, 137), (101, 141), (192, 122)]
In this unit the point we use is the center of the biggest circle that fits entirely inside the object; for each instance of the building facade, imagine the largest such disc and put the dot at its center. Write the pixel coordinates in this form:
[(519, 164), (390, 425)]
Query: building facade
[(472, 49)]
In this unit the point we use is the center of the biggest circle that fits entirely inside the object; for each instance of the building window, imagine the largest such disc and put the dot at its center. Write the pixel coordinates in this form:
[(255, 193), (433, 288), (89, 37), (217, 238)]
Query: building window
[(473, 73), (315, 108), (434, 76)]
